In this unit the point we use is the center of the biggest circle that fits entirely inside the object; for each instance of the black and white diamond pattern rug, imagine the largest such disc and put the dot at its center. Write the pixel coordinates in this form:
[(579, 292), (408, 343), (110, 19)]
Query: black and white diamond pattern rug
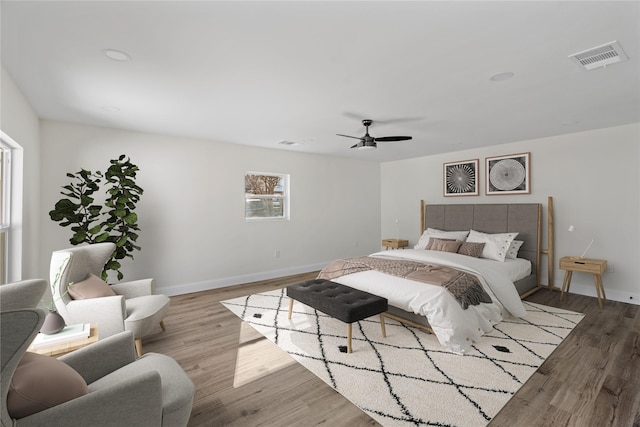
[(408, 378)]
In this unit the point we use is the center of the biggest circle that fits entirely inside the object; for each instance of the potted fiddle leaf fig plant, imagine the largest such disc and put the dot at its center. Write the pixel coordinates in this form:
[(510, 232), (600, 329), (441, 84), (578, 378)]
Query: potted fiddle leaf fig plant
[(113, 221)]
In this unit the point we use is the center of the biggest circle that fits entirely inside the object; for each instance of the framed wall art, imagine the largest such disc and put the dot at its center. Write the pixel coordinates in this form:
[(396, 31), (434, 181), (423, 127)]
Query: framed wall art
[(509, 174), (461, 178)]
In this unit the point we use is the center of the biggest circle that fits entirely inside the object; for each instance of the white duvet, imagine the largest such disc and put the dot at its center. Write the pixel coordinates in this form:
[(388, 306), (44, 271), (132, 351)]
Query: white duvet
[(455, 328)]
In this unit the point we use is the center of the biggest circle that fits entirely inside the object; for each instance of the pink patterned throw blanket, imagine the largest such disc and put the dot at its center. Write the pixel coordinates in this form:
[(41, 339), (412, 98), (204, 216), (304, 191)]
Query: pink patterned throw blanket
[(463, 286)]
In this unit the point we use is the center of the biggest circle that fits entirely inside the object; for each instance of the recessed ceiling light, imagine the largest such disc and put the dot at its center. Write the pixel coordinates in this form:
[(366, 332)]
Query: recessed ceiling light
[(111, 108), (500, 77), (116, 55), (290, 143)]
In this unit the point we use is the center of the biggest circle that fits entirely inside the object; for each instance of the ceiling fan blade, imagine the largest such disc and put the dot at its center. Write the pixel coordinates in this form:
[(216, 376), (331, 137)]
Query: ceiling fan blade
[(392, 138), (360, 117), (399, 120), (348, 136), (355, 145)]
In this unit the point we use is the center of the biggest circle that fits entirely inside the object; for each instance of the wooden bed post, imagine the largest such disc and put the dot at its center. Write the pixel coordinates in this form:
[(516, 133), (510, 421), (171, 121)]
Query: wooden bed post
[(550, 243), (422, 224), (549, 251)]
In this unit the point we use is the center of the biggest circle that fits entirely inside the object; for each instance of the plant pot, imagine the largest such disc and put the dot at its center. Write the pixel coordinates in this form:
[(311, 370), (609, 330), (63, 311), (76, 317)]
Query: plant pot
[(53, 323)]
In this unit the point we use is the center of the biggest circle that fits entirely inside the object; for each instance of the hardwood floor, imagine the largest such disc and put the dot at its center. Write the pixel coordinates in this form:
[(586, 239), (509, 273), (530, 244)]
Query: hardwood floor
[(242, 379)]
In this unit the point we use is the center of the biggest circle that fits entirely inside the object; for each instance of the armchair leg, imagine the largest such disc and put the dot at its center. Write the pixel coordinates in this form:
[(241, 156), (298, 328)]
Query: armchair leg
[(138, 342), (162, 326)]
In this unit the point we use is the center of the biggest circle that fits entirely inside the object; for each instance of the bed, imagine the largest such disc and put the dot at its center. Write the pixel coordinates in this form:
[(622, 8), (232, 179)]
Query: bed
[(457, 324)]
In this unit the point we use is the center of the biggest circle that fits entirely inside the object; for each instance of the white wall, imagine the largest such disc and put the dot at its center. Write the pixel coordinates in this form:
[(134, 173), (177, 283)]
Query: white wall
[(20, 123), (595, 184), (194, 235)]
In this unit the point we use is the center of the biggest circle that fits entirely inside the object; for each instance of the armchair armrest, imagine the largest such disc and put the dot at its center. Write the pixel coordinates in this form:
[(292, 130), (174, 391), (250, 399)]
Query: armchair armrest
[(133, 401), (103, 357), (136, 288), (108, 312)]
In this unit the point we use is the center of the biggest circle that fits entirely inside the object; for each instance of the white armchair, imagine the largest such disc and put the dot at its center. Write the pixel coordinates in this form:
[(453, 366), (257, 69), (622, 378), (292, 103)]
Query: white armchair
[(121, 390), (135, 307)]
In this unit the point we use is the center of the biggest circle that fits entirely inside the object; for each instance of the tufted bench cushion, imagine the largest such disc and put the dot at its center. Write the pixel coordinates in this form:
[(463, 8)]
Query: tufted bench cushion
[(339, 301)]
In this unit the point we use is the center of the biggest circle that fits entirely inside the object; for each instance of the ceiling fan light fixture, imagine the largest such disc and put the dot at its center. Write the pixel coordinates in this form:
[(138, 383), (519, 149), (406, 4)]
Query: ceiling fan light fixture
[(366, 147)]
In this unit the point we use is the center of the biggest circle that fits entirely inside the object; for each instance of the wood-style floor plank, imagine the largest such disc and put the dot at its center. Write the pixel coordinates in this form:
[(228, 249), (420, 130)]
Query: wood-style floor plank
[(242, 379)]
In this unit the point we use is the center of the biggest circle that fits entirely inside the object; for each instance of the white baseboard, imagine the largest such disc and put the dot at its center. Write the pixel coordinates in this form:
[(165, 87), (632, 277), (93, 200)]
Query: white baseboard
[(612, 294), (206, 285)]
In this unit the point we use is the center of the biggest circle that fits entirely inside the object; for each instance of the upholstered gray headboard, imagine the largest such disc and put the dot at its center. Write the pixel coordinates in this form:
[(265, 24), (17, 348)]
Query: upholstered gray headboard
[(523, 218)]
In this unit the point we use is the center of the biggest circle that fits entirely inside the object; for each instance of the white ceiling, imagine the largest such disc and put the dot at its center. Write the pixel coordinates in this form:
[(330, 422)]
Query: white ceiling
[(256, 73)]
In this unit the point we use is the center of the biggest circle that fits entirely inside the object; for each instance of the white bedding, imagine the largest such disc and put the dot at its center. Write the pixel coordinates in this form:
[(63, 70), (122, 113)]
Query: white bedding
[(455, 328)]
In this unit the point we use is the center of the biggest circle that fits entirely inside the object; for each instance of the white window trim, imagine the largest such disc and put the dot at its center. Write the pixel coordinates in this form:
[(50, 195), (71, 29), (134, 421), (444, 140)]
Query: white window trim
[(286, 197), (14, 182)]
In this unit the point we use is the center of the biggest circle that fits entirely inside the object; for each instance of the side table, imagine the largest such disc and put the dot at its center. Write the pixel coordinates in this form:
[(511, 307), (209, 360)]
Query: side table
[(395, 243), (57, 350), (584, 265)]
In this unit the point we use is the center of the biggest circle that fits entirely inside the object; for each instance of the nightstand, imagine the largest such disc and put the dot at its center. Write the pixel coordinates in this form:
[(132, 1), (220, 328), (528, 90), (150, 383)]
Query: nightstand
[(584, 265), (395, 243)]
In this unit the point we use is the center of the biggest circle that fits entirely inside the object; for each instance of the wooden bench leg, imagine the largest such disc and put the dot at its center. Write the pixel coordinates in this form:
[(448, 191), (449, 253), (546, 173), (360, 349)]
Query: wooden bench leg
[(290, 307), (348, 337), (382, 326)]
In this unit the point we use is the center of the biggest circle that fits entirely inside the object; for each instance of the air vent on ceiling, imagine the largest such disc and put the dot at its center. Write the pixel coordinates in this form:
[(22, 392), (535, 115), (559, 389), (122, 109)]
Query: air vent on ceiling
[(600, 56), (285, 142)]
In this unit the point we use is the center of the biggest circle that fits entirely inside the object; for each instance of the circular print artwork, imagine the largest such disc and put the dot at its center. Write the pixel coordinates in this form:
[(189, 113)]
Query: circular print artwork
[(508, 175), (461, 179)]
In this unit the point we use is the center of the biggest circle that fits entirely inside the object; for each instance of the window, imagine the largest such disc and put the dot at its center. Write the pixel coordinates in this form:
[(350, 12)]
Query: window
[(5, 213), (266, 196)]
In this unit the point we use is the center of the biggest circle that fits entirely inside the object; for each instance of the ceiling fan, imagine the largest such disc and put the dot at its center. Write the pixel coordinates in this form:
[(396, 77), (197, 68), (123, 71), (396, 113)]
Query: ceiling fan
[(367, 142)]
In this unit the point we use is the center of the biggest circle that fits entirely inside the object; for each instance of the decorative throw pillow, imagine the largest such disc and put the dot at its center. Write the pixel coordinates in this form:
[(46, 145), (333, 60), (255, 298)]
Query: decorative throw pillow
[(433, 240), (443, 245), (471, 249), (495, 245), (91, 287), (440, 234), (42, 382), (512, 252)]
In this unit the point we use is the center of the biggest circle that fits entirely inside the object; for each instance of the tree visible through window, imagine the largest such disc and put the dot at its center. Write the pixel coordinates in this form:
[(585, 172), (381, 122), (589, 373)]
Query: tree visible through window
[(266, 196)]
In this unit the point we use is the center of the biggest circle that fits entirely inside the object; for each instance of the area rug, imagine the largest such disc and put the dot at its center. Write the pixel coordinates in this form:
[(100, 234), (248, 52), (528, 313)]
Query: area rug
[(408, 378)]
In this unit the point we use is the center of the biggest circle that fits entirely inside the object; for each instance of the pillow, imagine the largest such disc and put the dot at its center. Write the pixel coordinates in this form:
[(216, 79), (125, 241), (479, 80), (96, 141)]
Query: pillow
[(471, 249), (495, 245), (512, 252), (433, 240), (91, 287), (433, 232), (42, 382), (444, 245)]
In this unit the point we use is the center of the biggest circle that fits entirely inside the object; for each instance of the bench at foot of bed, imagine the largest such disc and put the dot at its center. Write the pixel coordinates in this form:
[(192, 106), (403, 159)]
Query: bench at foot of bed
[(339, 301)]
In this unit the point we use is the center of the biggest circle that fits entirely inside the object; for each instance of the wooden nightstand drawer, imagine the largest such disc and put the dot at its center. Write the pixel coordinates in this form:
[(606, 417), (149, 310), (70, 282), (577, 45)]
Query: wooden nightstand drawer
[(395, 243), (586, 265)]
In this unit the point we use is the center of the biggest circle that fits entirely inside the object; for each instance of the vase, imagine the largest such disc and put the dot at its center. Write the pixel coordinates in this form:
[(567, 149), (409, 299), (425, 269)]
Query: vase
[(53, 323)]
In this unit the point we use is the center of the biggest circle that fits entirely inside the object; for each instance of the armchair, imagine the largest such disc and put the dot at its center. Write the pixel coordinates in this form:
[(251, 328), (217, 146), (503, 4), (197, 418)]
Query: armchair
[(135, 307), (152, 390)]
